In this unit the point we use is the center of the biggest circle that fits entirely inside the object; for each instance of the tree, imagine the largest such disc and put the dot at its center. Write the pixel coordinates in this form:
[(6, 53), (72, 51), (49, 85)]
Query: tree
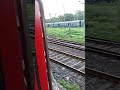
[(61, 18), (79, 15), (47, 21), (69, 17), (52, 20)]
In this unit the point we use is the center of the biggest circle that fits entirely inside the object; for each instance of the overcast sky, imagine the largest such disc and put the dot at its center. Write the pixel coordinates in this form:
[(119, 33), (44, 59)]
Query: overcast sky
[(58, 7)]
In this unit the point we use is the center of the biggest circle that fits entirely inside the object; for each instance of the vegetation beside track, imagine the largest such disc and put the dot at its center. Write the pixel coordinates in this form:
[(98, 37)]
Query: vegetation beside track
[(69, 86), (74, 34), (102, 21)]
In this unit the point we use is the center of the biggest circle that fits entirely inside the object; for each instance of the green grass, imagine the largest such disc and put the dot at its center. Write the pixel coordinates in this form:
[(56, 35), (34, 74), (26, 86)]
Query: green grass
[(75, 34), (69, 86), (102, 21)]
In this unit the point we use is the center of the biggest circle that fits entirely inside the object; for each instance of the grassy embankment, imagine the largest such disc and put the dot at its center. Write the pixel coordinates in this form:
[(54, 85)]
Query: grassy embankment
[(74, 34), (102, 21), (69, 86)]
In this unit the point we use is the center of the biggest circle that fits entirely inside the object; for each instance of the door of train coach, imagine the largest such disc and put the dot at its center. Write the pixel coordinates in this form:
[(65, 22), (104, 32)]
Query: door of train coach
[(41, 47), (20, 62)]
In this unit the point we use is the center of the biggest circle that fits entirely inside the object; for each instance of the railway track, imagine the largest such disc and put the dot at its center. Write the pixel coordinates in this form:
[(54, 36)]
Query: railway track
[(101, 74), (62, 42), (102, 62), (109, 78), (65, 50), (71, 42), (77, 64), (102, 80), (97, 83), (70, 62), (66, 43), (97, 80), (103, 46), (66, 53), (67, 60)]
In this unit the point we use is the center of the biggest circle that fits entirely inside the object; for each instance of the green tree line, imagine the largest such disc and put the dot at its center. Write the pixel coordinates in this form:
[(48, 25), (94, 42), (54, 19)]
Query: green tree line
[(79, 15)]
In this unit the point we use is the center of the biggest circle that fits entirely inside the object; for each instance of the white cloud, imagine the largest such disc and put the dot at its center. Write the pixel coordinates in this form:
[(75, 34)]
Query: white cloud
[(59, 6)]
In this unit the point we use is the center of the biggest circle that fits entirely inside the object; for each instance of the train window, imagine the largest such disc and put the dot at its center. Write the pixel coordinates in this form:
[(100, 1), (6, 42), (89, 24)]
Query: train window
[(64, 36), (102, 37), (103, 14)]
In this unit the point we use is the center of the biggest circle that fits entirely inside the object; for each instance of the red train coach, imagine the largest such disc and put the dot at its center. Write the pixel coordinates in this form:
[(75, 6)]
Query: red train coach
[(18, 71)]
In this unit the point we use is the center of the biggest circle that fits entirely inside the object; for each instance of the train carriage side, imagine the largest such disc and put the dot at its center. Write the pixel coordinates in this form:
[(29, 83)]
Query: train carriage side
[(75, 23)]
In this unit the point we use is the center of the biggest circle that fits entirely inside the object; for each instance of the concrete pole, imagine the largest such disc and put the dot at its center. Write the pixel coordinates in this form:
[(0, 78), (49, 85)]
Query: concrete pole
[(50, 16), (64, 11)]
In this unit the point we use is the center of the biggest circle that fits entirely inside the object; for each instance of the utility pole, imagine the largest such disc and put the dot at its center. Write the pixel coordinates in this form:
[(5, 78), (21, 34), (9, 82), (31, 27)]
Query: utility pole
[(50, 16), (83, 14), (64, 11), (55, 15), (77, 16), (55, 18)]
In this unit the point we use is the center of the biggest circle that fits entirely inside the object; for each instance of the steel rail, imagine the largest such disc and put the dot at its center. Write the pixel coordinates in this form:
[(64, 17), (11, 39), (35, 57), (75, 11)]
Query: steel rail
[(64, 43), (76, 43), (67, 54), (103, 52), (103, 75), (100, 50), (68, 67), (65, 65), (102, 40)]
